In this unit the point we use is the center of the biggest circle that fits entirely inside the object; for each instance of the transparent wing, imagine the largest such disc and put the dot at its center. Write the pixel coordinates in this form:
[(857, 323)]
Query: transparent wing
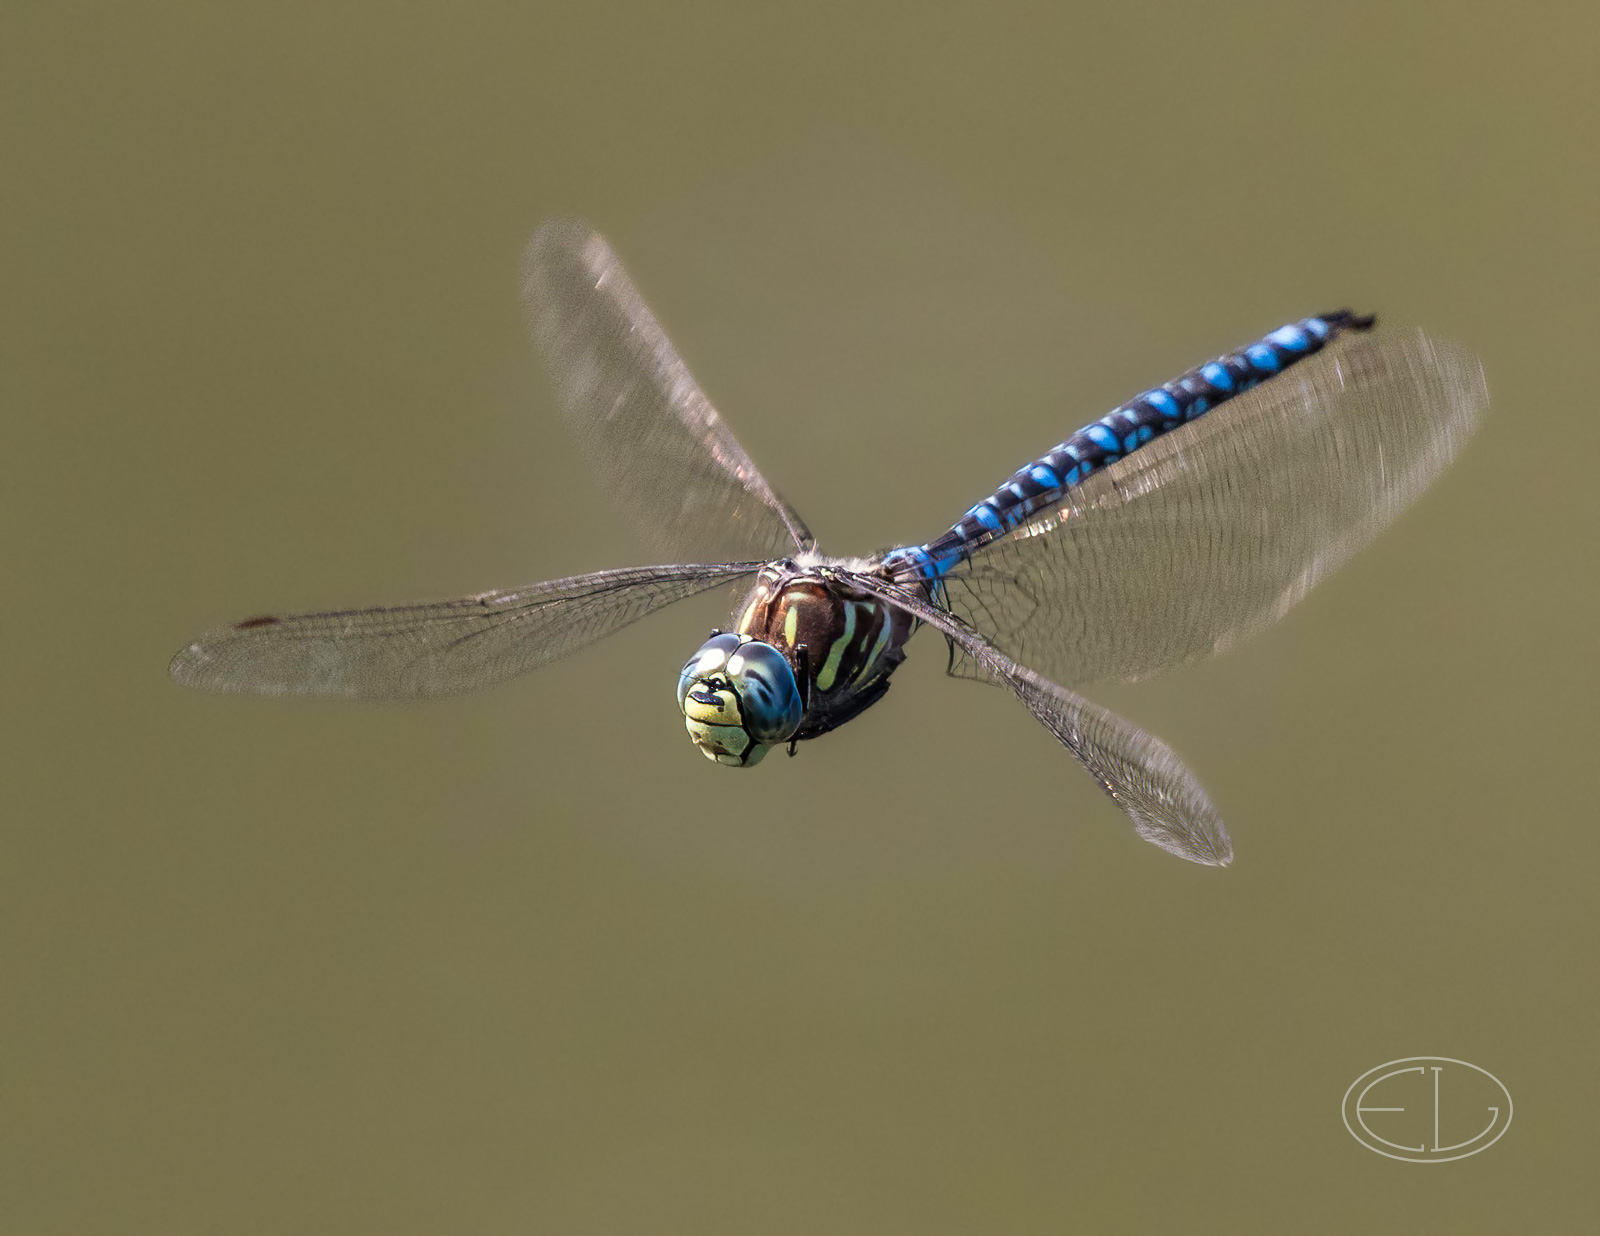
[(1207, 534), (433, 649), (1143, 775), (668, 462)]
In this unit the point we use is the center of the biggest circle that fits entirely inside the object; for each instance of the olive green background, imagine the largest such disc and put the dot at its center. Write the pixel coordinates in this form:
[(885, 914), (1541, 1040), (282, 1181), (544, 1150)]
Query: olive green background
[(522, 961)]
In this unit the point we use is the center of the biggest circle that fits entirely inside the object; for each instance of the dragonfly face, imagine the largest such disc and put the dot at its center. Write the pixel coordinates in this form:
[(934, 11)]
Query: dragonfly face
[(739, 699)]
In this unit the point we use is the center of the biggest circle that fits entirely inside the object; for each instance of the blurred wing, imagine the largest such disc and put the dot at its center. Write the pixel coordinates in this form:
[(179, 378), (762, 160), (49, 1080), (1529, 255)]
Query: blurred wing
[(433, 649), (1143, 775), (667, 461), (1208, 534)]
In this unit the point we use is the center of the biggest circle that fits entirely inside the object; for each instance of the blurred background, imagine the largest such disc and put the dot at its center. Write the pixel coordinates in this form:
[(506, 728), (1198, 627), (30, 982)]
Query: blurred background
[(522, 961)]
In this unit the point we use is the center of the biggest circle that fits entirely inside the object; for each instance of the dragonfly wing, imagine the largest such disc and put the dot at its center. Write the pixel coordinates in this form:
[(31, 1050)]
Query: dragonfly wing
[(1211, 532), (433, 649), (668, 461), (1143, 776)]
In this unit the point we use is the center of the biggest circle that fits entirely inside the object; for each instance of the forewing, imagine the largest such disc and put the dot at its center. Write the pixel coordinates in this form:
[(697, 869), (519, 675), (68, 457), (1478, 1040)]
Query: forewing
[(1208, 534), (1143, 776), (437, 648), (668, 463)]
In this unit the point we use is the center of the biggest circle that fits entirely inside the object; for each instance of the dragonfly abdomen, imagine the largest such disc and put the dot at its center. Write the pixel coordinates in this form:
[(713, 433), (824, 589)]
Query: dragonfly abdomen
[(1120, 432)]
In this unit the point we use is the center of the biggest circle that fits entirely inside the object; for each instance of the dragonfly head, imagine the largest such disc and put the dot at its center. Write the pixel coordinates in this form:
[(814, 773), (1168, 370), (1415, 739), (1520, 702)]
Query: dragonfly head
[(739, 699)]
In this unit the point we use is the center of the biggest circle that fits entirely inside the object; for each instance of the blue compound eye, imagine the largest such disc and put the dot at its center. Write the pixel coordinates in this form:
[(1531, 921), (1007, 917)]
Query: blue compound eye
[(739, 698), (766, 685)]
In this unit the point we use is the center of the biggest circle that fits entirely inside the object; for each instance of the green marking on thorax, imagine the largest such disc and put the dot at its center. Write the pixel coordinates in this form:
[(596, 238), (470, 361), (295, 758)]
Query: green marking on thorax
[(830, 667)]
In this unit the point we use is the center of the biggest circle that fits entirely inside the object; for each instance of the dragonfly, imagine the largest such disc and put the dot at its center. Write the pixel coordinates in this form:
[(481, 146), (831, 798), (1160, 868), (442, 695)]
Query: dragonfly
[(1167, 530)]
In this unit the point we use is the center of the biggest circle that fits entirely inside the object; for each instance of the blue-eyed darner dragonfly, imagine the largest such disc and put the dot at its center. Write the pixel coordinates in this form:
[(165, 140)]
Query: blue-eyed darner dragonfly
[(1166, 530)]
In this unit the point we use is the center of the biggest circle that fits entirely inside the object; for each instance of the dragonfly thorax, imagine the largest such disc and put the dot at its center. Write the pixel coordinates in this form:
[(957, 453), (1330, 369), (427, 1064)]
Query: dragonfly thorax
[(841, 642)]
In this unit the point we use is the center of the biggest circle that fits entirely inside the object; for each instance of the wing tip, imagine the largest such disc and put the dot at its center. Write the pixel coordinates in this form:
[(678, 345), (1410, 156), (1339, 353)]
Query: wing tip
[(199, 667), (1204, 841), (186, 664), (555, 242)]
